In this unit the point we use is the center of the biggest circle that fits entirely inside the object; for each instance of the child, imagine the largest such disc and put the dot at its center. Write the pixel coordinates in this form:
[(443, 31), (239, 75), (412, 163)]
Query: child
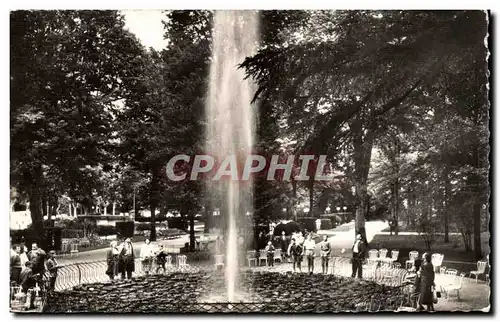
[(161, 258), (270, 254)]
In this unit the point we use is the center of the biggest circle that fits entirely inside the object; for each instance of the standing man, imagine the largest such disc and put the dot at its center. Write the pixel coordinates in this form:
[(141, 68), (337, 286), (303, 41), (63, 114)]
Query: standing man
[(37, 257), (309, 247), (325, 254), (15, 264), (295, 252), (127, 259), (358, 256), (284, 245)]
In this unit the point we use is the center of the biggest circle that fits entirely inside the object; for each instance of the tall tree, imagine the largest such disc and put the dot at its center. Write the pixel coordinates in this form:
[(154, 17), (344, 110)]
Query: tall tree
[(67, 69)]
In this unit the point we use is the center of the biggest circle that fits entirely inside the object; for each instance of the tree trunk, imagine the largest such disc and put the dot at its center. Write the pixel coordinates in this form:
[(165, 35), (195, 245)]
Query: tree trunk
[(192, 239), (444, 204), (35, 209), (45, 207), (396, 208), (311, 196), (114, 208), (155, 182), (477, 230), (362, 157)]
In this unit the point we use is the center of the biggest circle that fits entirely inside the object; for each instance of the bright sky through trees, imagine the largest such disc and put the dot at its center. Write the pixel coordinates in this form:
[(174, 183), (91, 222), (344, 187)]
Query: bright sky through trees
[(147, 26)]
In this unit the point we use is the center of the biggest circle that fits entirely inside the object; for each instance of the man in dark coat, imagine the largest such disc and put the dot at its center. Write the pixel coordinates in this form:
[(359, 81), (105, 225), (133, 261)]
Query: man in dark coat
[(295, 251), (127, 259), (37, 257), (358, 256), (15, 264)]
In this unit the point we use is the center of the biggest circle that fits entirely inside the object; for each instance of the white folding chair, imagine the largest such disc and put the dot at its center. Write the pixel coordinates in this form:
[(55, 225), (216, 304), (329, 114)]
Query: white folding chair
[(481, 269), (263, 256), (394, 257), (182, 261), (382, 253), (168, 261), (437, 261), (219, 261), (277, 255), (252, 257), (413, 256), (453, 288), (372, 256), (74, 249), (412, 305)]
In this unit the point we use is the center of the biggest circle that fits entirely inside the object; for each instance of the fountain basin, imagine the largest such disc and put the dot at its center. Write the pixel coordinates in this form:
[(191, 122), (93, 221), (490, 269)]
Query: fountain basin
[(194, 292)]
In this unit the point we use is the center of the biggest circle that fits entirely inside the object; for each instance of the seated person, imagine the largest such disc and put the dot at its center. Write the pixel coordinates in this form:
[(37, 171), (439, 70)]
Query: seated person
[(28, 281)]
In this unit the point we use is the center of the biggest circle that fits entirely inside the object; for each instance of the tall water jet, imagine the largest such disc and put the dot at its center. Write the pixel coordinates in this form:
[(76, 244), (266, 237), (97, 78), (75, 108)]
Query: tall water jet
[(231, 124)]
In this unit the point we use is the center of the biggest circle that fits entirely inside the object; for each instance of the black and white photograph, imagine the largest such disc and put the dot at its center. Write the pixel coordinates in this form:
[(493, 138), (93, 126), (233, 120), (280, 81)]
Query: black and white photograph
[(250, 161)]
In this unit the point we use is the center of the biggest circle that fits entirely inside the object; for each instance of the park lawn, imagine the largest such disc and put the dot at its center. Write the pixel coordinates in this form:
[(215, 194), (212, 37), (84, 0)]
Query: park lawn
[(453, 251)]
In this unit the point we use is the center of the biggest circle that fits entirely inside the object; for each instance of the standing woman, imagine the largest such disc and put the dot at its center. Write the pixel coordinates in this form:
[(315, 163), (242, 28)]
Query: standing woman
[(24, 256), (147, 256), (112, 260), (426, 282)]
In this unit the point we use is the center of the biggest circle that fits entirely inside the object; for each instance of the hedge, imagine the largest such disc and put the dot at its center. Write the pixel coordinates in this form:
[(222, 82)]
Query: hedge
[(106, 230), (326, 224), (308, 223), (289, 228)]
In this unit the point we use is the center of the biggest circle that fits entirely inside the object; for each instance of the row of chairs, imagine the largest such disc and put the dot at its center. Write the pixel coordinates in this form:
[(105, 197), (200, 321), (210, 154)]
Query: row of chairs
[(436, 259), (181, 261), (376, 256), (262, 256)]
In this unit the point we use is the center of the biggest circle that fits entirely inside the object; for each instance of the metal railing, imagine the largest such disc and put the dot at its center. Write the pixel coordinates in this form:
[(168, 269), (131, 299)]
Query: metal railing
[(71, 275), (75, 274)]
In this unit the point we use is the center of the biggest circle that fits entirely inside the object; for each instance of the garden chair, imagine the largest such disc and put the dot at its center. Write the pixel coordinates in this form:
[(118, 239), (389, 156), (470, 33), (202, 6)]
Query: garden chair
[(413, 256), (383, 253), (182, 261), (453, 288), (252, 257), (394, 258), (437, 261), (263, 256), (277, 255), (168, 261), (372, 256), (74, 249), (411, 305), (481, 269), (451, 272), (219, 261), (451, 276)]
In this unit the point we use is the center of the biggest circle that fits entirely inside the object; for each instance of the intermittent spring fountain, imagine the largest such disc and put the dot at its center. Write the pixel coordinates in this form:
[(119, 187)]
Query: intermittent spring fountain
[(231, 123)]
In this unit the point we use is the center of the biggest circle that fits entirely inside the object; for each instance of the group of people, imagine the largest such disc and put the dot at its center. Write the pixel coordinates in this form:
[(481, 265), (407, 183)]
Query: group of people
[(299, 248), (31, 268), (121, 259)]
